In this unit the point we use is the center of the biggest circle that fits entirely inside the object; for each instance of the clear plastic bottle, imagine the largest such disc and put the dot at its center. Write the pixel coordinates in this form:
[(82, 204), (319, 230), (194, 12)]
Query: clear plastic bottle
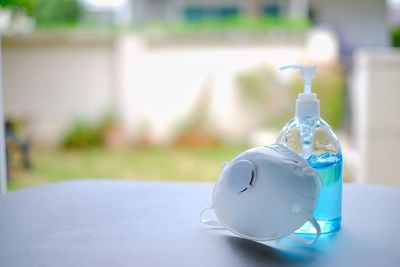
[(311, 137)]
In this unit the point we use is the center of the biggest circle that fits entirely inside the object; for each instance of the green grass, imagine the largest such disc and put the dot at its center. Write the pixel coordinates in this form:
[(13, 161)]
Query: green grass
[(150, 163), (234, 25), (231, 25)]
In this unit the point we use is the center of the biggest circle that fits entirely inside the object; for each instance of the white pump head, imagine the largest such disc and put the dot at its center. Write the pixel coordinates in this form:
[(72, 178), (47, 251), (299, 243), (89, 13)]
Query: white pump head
[(307, 104)]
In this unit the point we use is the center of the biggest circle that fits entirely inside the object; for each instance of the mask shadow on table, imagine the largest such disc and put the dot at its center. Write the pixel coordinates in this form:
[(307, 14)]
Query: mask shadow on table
[(289, 251)]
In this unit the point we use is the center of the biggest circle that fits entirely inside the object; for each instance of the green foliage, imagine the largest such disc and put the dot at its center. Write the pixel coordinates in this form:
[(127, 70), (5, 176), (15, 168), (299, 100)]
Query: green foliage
[(231, 25), (26, 5), (48, 12), (396, 37), (107, 122), (81, 135), (274, 102)]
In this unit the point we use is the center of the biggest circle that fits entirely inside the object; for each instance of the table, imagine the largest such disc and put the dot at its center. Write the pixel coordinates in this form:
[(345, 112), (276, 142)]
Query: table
[(117, 223)]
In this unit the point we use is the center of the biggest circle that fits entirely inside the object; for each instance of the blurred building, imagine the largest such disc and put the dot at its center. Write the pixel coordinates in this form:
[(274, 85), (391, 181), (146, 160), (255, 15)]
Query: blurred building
[(140, 11), (394, 12), (357, 23), (347, 19)]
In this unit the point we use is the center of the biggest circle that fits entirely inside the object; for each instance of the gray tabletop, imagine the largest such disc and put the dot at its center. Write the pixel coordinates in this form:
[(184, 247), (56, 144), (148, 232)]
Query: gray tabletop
[(111, 223)]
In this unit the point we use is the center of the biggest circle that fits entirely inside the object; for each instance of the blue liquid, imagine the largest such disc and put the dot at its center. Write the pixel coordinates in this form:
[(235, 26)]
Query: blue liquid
[(328, 211)]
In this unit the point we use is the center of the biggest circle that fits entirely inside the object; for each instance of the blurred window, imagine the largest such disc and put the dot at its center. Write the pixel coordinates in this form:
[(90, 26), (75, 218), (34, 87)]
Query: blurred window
[(271, 11), (197, 13)]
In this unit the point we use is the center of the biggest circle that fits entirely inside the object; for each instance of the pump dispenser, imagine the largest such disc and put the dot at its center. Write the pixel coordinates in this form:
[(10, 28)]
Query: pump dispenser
[(311, 137), (307, 103)]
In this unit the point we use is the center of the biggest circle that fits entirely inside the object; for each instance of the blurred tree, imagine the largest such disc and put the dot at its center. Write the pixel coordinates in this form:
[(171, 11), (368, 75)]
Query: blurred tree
[(26, 6), (48, 12), (396, 37)]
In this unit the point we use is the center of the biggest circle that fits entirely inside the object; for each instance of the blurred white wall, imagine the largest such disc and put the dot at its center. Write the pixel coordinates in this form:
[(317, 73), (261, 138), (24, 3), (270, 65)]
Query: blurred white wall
[(55, 80), (52, 81), (376, 97), (162, 84)]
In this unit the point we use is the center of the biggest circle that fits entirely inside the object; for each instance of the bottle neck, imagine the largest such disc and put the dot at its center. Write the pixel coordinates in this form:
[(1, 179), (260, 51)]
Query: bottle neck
[(306, 110), (307, 105)]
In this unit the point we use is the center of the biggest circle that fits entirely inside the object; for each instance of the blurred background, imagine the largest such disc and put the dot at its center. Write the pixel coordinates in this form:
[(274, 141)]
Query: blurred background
[(170, 89)]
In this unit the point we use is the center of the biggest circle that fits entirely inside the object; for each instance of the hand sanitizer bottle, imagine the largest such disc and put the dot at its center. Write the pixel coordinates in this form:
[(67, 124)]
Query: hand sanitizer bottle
[(311, 137)]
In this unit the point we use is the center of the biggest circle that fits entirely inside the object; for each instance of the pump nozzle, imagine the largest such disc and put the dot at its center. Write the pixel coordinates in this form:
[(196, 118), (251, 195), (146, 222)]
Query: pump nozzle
[(306, 72), (307, 103)]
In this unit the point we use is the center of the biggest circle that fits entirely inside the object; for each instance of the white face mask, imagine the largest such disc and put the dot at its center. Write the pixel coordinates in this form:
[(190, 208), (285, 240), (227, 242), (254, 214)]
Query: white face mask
[(266, 193)]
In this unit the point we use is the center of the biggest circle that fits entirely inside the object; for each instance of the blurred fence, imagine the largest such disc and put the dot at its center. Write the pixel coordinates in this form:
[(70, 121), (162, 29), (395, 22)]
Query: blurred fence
[(55, 79)]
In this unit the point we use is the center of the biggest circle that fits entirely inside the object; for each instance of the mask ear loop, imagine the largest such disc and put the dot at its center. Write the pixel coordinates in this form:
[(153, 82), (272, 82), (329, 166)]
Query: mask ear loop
[(209, 222), (306, 214), (317, 228), (310, 218)]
